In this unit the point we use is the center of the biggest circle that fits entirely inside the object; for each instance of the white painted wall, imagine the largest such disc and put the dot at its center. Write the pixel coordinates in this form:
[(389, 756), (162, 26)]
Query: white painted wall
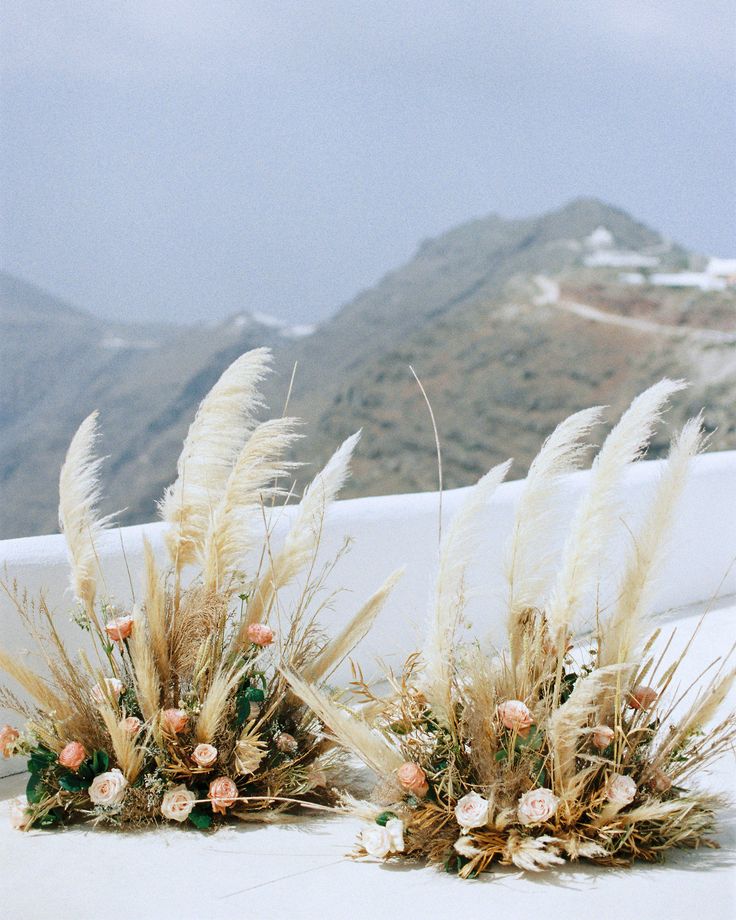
[(401, 530)]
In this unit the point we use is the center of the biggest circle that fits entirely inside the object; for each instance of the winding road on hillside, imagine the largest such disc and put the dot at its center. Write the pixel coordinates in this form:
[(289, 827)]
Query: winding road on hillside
[(550, 295)]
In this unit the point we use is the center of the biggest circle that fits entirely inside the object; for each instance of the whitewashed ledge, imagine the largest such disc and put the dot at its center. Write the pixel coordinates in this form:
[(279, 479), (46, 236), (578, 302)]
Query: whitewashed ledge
[(299, 869)]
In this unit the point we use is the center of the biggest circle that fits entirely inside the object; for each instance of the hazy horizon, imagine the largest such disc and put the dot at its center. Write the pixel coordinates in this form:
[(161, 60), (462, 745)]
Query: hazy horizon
[(183, 161)]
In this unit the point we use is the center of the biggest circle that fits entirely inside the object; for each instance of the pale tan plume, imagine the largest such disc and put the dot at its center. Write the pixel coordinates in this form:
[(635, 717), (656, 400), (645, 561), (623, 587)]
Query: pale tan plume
[(156, 614), (702, 711), (225, 418), (252, 483), (459, 546), (215, 702), (352, 732), (620, 632), (335, 652), (79, 493), (129, 754), (145, 672), (305, 532), (34, 684), (596, 517)]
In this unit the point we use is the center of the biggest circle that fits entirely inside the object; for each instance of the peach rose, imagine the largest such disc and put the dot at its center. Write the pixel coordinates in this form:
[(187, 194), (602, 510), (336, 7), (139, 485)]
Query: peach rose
[(537, 806), (8, 736), (178, 803), (286, 743), (413, 779), (19, 817), (204, 755), (108, 788), (120, 628), (260, 634), (72, 756), (515, 716), (131, 725), (175, 721), (620, 790), (659, 781), (223, 794), (642, 697), (110, 687), (471, 811), (602, 736)]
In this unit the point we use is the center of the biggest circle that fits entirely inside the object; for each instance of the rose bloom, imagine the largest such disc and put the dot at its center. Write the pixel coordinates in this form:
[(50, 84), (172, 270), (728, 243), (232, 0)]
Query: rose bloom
[(620, 789), (131, 725), (515, 716), (178, 803), (260, 634), (204, 755), (602, 736), (413, 779), (8, 735), (108, 788), (19, 816), (286, 743), (537, 806), (175, 720), (72, 756), (120, 628), (223, 793), (110, 687), (642, 697), (660, 782), (472, 811), (379, 841)]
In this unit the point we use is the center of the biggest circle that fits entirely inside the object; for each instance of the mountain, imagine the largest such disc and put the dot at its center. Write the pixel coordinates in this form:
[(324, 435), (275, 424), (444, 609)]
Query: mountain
[(511, 325)]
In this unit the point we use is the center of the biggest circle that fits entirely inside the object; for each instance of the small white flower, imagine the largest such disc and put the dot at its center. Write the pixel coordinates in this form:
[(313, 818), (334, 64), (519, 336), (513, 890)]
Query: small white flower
[(376, 841), (178, 803), (395, 828), (472, 811), (537, 806), (620, 790), (108, 788)]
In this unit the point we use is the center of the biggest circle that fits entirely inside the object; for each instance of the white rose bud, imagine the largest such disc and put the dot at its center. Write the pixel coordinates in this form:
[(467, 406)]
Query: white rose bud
[(537, 806), (376, 841), (177, 803), (108, 788), (620, 790), (395, 828), (472, 811)]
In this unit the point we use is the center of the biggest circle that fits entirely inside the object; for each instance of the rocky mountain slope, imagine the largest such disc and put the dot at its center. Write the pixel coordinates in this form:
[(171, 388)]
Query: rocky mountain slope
[(511, 324)]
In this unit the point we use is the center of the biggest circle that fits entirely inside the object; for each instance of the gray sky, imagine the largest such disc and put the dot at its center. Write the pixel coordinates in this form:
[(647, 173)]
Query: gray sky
[(186, 159)]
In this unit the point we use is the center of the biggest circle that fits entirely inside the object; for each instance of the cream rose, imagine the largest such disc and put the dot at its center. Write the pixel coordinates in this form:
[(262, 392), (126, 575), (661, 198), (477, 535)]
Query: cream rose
[(131, 725), (413, 779), (395, 829), (204, 755), (72, 756), (174, 721), (537, 806), (19, 817), (222, 793), (602, 736), (472, 811), (515, 716), (8, 736), (120, 628), (110, 687), (620, 790), (376, 841), (260, 634), (108, 788), (178, 803)]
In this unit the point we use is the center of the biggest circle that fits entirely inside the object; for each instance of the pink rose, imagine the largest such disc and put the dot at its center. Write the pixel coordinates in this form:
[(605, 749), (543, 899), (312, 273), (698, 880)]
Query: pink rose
[(131, 725), (413, 779), (260, 634), (286, 743), (642, 697), (120, 628), (620, 790), (204, 755), (537, 806), (8, 736), (602, 736), (19, 817), (223, 793), (175, 721), (515, 716), (72, 756), (472, 811), (177, 803), (108, 789), (110, 687)]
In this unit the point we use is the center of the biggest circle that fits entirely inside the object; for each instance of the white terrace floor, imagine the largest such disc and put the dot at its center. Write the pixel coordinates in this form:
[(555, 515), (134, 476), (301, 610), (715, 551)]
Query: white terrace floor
[(299, 869)]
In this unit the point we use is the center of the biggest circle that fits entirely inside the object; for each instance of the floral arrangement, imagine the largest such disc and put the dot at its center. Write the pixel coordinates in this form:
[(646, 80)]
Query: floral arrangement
[(548, 750), (177, 708)]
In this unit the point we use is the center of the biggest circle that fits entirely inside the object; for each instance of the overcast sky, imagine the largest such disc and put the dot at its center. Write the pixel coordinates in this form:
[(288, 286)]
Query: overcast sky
[(187, 159)]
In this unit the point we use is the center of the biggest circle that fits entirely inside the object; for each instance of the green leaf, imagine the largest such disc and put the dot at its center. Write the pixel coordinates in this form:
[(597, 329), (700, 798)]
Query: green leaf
[(99, 762), (72, 782), (254, 694), (501, 755), (385, 817), (35, 790), (242, 708), (200, 819)]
